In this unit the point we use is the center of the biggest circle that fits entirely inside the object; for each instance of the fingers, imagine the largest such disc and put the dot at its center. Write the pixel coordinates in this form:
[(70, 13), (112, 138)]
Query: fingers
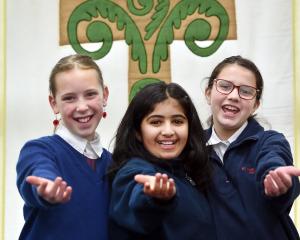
[(172, 188), (67, 195), (56, 191), (157, 183), (41, 188), (47, 189), (162, 187), (61, 191), (271, 189), (283, 180), (160, 182), (142, 179), (278, 181)]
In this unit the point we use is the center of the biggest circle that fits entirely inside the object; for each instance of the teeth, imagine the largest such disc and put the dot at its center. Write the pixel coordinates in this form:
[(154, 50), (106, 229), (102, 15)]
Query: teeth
[(166, 142), (231, 108), (83, 120)]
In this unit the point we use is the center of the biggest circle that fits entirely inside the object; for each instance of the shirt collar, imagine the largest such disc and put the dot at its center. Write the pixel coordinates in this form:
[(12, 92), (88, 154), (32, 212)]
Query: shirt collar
[(214, 139), (91, 149)]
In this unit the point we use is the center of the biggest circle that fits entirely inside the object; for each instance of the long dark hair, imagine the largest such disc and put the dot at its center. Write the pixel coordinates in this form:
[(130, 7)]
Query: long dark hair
[(127, 144)]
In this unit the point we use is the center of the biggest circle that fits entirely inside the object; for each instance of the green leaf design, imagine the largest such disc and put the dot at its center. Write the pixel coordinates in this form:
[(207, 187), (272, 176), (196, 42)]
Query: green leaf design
[(199, 29), (147, 5), (137, 86), (161, 11), (100, 32)]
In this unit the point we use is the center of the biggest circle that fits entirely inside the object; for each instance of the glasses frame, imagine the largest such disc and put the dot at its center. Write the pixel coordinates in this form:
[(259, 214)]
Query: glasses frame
[(235, 86)]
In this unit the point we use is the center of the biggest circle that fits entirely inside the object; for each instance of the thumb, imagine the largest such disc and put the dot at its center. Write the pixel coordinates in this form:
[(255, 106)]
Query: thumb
[(292, 171), (141, 178), (33, 180)]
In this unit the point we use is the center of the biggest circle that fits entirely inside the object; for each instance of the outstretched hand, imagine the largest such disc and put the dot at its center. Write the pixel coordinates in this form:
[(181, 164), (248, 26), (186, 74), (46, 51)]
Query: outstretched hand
[(159, 186), (278, 181), (55, 191)]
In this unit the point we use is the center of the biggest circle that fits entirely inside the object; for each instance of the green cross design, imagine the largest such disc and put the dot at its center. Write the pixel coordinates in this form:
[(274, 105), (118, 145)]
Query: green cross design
[(165, 19)]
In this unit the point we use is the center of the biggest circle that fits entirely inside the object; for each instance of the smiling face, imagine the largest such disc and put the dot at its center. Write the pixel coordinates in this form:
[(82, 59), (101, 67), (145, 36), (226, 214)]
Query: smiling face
[(230, 111), (79, 99), (164, 132)]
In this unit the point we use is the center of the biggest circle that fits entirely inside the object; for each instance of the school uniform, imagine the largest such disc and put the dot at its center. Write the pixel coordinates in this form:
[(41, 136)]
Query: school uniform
[(64, 154), (135, 215), (240, 207)]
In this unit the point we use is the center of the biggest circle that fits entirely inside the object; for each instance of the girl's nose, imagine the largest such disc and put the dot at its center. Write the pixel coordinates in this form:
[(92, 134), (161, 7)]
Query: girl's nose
[(81, 106), (234, 94), (167, 130)]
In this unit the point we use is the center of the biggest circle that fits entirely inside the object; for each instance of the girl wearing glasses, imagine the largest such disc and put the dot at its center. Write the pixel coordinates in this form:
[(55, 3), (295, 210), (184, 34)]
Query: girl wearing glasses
[(254, 181)]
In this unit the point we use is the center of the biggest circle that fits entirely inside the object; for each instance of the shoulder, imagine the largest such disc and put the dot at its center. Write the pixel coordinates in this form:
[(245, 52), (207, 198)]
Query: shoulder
[(106, 157), (137, 166), (106, 154), (255, 131), (139, 163), (124, 178), (264, 135), (269, 140), (46, 140), (207, 133), (38, 151), (42, 141), (273, 138), (47, 143)]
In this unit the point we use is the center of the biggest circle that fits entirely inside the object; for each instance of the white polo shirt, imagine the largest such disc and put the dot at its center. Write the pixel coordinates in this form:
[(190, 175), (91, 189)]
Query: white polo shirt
[(220, 146), (91, 149)]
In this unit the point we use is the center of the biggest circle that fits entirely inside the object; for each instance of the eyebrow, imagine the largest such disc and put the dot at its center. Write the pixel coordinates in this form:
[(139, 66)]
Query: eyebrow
[(172, 116), (234, 83), (67, 94)]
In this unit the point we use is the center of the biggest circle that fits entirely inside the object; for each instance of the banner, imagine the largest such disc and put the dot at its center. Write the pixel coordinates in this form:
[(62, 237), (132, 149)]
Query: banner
[(262, 31), (148, 29)]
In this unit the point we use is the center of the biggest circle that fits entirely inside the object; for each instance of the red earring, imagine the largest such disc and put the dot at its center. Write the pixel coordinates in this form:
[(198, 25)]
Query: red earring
[(55, 122), (104, 114)]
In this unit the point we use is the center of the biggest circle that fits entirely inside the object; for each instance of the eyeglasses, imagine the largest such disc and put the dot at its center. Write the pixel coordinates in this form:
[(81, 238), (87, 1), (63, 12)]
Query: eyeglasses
[(245, 92)]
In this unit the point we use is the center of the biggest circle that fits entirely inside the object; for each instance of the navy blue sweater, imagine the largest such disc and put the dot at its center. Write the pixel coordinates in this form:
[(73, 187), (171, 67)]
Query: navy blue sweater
[(134, 215), (85, 215), (241, 209)]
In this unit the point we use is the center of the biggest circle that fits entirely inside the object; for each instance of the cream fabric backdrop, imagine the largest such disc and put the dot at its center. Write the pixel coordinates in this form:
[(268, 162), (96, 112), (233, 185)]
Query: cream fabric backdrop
[(264, 30), (2, 113), (296, 86)]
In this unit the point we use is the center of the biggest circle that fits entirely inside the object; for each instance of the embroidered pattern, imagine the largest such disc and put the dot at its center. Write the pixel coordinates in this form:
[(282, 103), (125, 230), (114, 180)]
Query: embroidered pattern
[(249, 170)]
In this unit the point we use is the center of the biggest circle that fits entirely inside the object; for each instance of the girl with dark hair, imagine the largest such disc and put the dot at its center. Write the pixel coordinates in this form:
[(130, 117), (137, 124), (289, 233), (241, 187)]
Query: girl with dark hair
[(254, 181), (161, 169)]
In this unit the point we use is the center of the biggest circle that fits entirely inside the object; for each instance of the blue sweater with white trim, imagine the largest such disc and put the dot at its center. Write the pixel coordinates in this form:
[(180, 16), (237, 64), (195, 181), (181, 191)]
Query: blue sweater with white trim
[(85, 215)]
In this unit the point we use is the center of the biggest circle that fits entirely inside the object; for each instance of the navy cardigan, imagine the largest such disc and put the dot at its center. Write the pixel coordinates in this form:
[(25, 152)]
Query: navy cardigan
[(241, 209), (134, 215)]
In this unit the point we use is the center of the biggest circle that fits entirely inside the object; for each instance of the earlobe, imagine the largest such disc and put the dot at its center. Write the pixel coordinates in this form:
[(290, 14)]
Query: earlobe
[(256, 105), (105, 95), (207, 95), (53, 104), (138, 136)]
